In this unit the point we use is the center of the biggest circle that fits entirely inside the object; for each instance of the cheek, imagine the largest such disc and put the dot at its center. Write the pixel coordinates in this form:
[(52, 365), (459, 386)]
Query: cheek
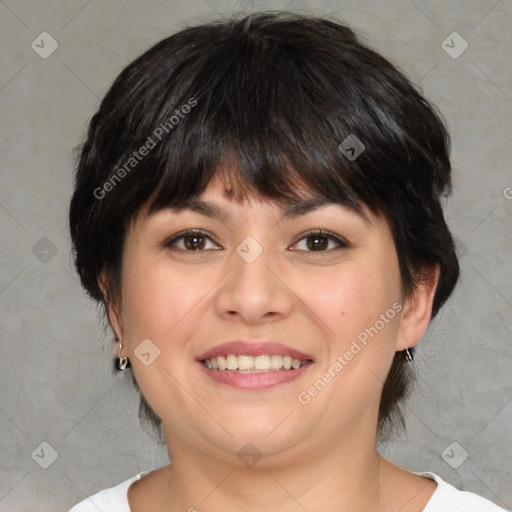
[(352, 299), (158, 299)]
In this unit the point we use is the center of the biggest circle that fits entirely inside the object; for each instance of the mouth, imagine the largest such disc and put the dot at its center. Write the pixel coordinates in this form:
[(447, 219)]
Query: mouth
[(263, 363), (253, 365)]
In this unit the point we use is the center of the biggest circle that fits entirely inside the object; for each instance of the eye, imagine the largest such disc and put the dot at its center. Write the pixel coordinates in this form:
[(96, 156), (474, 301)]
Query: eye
[(315, 241), (193, 240), (318, 241)]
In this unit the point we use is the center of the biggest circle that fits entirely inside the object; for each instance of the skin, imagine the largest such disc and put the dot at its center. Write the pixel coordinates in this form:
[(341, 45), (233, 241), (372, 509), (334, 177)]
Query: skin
[(319, 456)]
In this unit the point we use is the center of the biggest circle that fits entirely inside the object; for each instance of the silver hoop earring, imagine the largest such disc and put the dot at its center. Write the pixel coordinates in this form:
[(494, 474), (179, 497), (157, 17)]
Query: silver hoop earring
[(121, 362), (408, 356)]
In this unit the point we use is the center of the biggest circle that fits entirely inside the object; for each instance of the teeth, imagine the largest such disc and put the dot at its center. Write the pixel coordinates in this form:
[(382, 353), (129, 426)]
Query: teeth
[(245, 362), (253, 364), (276, 362), (222, 362), (232, 362), (262, 363)]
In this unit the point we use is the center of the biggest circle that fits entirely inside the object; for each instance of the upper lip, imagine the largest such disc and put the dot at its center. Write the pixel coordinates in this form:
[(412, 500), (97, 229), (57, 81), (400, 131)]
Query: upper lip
[(252, 348)]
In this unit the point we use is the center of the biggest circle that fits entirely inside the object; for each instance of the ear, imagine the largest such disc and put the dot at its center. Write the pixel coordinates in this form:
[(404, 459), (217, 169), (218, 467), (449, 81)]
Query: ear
[(114, 315), (417, 310)]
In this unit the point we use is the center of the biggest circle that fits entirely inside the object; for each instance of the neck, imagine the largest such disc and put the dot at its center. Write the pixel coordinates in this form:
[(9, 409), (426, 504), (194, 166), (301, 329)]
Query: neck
[(342, 477)]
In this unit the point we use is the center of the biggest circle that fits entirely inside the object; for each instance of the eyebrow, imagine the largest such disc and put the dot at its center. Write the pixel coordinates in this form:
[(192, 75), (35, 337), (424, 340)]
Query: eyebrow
[(291, 210)]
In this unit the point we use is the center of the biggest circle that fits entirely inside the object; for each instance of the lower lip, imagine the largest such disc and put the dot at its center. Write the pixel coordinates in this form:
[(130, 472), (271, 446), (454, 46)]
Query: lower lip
[(254, 380)]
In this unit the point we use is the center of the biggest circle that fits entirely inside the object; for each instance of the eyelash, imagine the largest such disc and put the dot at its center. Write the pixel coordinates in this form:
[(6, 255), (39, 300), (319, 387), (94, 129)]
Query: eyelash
[(314, 232)]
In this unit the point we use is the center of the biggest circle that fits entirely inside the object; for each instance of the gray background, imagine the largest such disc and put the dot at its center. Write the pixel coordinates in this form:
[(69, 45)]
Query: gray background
[(55, 365)]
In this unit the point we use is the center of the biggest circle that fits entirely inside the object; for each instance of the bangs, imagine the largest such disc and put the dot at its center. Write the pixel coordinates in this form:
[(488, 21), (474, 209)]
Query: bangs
[(255, 153)]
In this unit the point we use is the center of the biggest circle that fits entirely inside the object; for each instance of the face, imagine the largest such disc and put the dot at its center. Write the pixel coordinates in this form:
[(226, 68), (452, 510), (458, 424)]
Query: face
[(280, 291)]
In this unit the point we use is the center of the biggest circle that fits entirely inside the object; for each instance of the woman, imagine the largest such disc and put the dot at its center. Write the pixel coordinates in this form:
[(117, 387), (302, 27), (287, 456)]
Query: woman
[(257, 206)]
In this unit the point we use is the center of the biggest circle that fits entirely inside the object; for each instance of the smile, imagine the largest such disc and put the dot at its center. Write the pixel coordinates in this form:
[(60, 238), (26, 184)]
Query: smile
[(254, 364), (263, 363)]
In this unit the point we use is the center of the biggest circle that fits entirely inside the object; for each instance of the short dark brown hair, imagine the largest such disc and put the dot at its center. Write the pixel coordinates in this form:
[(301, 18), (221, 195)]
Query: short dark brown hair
[(278, 94)]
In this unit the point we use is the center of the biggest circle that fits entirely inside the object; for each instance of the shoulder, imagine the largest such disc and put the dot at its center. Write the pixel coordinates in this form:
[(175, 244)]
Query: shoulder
[(448, 498), (112, 499)]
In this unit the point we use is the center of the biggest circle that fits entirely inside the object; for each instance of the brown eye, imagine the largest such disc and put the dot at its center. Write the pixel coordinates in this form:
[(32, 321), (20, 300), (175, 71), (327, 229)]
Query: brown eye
[(318, 241), (192, 241)]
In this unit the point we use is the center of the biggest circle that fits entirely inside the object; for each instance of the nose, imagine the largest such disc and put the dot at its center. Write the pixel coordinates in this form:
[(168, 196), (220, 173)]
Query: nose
[(255, 291)]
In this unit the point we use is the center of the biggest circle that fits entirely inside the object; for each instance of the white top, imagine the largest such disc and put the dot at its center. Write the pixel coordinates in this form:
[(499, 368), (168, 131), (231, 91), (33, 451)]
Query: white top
[(446, 498)]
